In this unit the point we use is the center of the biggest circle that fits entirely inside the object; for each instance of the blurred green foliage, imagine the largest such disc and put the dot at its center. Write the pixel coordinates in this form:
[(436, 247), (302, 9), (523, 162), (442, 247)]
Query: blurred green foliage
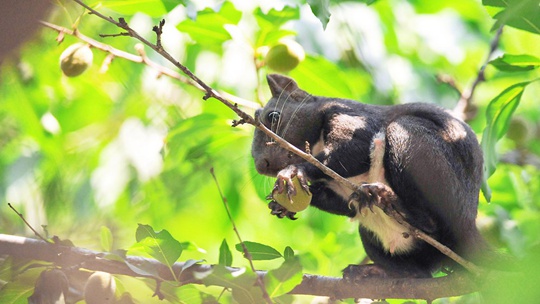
[(92, 158)]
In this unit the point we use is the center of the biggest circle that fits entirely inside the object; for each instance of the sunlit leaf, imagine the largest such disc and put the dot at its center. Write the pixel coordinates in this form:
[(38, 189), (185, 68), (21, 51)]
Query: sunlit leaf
[(248, 294), (310, 75), (154, 8), (171, 4), (270, 24), (18, 290), (15, 293), (516, 63), (208, 29), (320, 8), (106, 238), (225, 255), (498, 115), (521, 14), (160, 245), (288, 253), (189, 294), (285, 278), (241, 282), (259, 251)]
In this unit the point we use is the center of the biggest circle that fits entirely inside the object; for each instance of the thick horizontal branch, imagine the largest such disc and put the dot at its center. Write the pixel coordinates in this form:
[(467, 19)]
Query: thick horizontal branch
[(337, 288)]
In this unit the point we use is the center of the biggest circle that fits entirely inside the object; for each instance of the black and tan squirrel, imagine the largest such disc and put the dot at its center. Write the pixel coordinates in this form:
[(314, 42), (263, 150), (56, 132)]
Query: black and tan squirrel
[(429, 168)]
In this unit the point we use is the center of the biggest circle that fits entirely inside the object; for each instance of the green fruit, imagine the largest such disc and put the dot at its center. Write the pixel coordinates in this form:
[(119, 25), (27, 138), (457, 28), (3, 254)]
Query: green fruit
[(76, 59), (100, 288), (520, 130), (298, 202), (285, 56)]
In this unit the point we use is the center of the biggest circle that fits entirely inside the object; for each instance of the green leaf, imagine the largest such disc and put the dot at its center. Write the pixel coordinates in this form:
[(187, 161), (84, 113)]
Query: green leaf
[(208, 29), (516, 63), (288, 253), (189, 294), (282, 280), (160, 245), (240, 281), (259, 251), (320, 9), (171, 4), (248, 295), (521, 14), (276, 18), (154, 8), (496, 3), (106, 238), (270, 24), (498, 115), (310, 75), (225, 255), (16, 292), (222, 276)]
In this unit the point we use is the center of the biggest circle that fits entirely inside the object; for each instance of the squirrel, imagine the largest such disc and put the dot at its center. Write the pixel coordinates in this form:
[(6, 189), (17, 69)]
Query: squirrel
[(416, 157)]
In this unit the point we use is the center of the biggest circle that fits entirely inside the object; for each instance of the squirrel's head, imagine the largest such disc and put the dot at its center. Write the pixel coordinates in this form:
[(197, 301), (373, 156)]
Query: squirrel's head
[(292, 114)]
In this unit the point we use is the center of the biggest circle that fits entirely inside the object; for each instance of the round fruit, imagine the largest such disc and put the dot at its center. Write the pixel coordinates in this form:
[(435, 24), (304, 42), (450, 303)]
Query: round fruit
[(285, 56), (100, 288), (298, 202), (520, 130), (76, 59)]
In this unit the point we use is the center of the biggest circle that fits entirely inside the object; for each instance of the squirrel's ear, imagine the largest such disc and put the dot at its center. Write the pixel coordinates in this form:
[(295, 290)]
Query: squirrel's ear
[(279, 84)]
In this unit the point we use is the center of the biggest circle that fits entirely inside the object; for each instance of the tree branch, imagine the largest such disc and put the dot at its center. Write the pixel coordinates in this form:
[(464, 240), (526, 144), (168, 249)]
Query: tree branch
[(463, 106), (337, 288)]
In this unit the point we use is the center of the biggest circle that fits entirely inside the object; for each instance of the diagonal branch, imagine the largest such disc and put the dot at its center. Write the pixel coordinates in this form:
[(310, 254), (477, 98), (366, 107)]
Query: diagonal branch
[(462, 107)]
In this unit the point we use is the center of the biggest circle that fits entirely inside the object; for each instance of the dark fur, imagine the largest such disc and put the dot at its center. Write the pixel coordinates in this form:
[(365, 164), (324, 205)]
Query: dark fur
[(432, 162)]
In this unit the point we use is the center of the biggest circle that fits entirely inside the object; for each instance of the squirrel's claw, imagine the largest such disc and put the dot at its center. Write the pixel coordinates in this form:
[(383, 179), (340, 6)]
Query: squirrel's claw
[(280, 211), (284, 181)]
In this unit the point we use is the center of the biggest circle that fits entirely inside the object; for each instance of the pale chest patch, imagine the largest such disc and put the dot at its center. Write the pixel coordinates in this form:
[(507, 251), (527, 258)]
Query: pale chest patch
[(392, 235), (389, 232)]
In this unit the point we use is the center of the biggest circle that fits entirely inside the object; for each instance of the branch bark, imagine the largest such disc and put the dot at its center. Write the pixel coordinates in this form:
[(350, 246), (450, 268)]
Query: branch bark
[(336, 288), (463, 106)]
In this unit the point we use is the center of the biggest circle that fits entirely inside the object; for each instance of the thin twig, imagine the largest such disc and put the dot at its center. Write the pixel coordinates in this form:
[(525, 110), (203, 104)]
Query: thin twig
[(159, 31), (247, 254), (28, 224), (142, 58), (463, 105)]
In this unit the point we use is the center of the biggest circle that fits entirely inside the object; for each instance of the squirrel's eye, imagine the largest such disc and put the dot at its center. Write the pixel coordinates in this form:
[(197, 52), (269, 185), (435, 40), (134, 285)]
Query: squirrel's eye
[(273, 117)]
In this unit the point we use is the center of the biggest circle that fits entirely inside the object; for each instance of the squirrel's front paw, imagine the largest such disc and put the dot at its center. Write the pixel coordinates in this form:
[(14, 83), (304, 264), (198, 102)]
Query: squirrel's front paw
[(285, 182), (280, 211)]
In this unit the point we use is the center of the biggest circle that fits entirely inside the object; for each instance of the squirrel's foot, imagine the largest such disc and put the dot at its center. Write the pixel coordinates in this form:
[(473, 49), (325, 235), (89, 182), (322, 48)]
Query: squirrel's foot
[(355, 273), (374, 194)]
